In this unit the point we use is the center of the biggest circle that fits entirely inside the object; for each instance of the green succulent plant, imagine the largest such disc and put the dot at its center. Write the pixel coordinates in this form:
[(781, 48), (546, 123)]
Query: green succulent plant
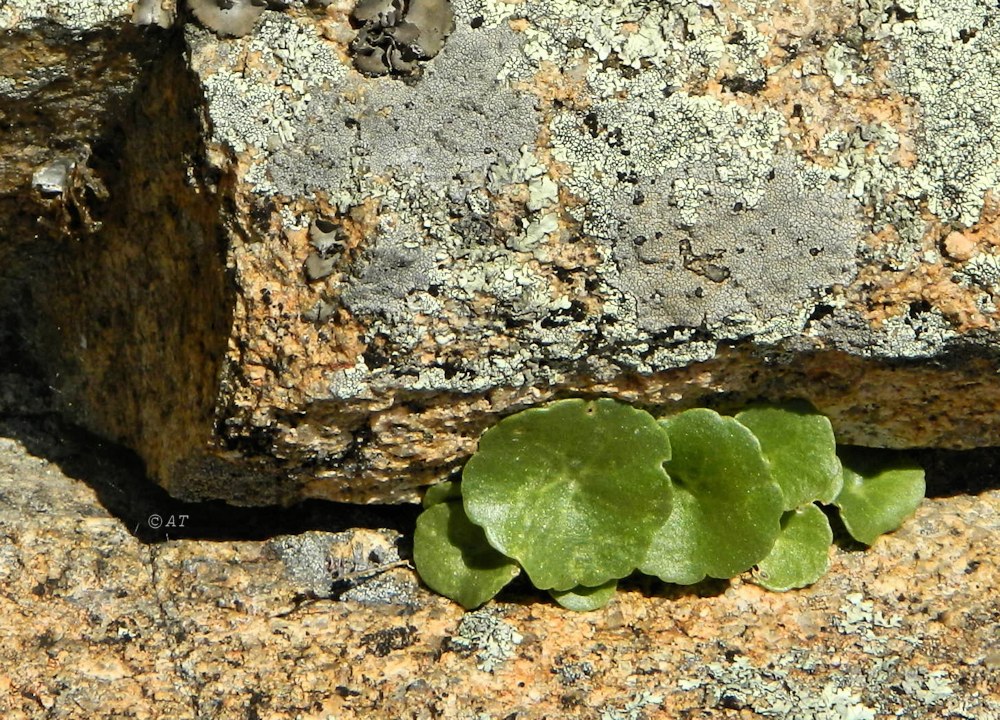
[(879, 493), (582, 599), (455, 559), (727, 507), (549, 483), (800, 449), (801, 552), (580, 494)]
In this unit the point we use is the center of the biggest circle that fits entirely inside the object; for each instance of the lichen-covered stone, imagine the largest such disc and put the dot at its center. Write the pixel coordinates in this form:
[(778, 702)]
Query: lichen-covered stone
[(77, 16), (670, 203)]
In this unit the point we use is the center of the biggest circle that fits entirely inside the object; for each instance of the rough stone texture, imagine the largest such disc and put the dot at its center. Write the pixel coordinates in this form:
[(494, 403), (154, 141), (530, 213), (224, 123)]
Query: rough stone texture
[(676, 203), (67, 69), (322, 621)]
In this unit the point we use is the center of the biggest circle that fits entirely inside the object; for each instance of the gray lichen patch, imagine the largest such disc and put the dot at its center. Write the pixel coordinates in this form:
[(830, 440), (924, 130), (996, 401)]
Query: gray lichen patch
[(485, 634), (949, 63), (681, 143), (352, 565), (259, 87), (928, 183), (940, 57), (457, 123), (459, 120), (396, 272), (618, 153), (78, 15), (673, 40), (860, 693), (741, 269), (937, 54), (569, 193)]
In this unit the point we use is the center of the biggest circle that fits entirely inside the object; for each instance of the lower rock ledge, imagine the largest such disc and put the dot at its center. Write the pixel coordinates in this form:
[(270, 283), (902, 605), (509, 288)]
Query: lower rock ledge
[(906, 628)]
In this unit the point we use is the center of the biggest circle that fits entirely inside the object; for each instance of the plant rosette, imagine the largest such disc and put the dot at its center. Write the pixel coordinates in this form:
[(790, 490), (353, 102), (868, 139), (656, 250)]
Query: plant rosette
[(580, 494)]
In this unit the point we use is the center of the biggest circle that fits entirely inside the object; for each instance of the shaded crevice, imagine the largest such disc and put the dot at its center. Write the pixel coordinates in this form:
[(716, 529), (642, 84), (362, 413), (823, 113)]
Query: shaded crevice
[(64, 91), (132, 329), (959, 472), (118, 478), (149, 513)]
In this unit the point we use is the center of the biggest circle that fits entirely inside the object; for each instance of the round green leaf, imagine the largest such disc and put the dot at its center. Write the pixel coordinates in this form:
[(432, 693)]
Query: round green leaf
[(453, 557), (675, 554), (442, 492), (573, 491), (801, 554), (727, 509), (584, 599), (879, 492), (798, 444)]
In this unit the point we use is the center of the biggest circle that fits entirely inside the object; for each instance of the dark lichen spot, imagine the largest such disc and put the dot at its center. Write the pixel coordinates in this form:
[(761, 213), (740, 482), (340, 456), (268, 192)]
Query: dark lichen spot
[(740, 84), (716, 273), (394, 35), (896, 13), (383, 642), (375, 358), (918, 308), (731, 702), (820, 312)]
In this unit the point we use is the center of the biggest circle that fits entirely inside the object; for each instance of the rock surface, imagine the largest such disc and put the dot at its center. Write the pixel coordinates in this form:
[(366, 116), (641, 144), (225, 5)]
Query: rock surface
[(278, 278), (322, 620)]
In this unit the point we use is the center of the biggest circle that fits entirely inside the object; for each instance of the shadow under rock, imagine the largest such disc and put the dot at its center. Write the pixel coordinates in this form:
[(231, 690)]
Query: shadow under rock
[(952, 472), (959, 472), (118, 477)]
